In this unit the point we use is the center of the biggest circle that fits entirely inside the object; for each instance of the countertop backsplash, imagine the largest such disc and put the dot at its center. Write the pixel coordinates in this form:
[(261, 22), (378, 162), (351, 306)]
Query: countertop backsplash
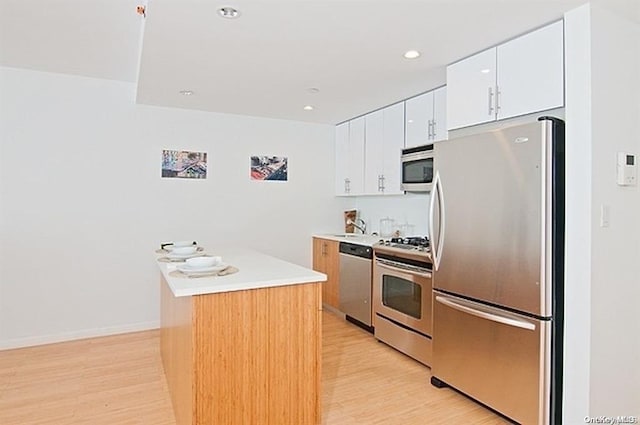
[(411, 209)]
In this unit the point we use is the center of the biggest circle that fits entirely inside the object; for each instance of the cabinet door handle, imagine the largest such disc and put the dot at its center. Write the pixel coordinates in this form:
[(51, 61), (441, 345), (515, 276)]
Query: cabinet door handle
[(324, 249), (347, 185), (490, 101), (429, 131), (433, 129), (382, 184), (498, 99)]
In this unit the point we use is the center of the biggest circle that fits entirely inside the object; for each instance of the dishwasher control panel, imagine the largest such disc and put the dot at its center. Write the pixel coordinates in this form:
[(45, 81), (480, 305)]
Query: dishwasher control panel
[(356, 250)]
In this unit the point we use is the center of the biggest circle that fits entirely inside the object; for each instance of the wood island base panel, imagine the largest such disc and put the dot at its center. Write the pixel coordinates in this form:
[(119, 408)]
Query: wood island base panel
[(243, 357)]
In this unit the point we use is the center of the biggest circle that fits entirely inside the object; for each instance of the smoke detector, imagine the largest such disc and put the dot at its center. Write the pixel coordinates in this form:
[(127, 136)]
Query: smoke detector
[(228, 12)]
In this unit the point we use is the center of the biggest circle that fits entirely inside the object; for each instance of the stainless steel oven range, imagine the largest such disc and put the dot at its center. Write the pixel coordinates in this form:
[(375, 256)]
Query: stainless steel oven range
[(402, 281)]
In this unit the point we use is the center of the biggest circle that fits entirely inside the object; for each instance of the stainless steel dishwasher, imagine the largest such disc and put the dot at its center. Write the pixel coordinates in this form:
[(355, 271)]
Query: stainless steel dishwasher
[(354, 294)]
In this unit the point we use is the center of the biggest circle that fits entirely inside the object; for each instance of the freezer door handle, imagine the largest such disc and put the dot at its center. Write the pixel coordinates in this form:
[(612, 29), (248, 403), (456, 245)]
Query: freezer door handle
[(437, 245), (485, 315)]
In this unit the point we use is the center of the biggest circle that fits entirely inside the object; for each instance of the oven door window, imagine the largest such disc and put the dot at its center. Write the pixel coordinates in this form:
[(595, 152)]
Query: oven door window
[(402, 295), (419, 171)]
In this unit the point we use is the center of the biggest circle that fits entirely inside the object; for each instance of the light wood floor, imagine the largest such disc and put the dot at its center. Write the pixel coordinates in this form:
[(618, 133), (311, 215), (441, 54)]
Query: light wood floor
[(118, 380)]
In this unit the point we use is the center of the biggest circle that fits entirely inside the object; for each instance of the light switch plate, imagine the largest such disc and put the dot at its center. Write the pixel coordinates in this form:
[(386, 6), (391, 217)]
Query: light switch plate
[(604, 215)]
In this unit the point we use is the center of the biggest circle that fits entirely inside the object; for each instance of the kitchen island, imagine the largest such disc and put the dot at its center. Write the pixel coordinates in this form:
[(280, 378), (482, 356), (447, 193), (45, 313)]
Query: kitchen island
[(243, 348)]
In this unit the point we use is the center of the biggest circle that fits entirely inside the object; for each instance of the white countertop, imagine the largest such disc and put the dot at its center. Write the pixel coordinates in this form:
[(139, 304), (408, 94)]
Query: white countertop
[(256, 270), (356, 238)]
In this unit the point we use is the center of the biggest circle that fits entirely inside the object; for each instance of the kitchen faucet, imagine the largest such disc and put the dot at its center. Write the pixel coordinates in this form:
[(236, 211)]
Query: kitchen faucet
[(362, 228)]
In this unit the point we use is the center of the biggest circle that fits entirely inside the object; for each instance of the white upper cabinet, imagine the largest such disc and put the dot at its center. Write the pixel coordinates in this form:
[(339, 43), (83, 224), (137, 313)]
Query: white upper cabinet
[(519, 77), (471, 85), (342, 158), (393, 135), (418, 115), (350, 158), (384, 140), (374, 147), (425, 118), (355, 184), (530, 72), (368, 153), (439, 124)]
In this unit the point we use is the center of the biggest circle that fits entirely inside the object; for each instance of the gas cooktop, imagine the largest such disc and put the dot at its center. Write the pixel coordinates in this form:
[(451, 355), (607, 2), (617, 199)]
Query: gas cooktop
[(411, 242), (414, 245)]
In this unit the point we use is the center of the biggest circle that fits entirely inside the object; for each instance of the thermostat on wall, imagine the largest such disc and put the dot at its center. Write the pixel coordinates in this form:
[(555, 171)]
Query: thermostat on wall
[(627, 169)]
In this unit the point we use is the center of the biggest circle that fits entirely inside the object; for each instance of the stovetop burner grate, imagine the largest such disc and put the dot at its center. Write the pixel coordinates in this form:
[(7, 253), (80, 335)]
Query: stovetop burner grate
[(411, 241), (412, 245)]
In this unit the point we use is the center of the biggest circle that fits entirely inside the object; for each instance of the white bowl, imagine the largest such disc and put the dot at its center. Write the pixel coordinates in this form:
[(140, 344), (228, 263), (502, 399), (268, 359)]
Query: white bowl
[(184, 250), (203, 261), (182, 243)]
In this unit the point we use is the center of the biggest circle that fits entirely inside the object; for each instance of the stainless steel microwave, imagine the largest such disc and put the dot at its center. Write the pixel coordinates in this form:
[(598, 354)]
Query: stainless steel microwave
[(417, 168)]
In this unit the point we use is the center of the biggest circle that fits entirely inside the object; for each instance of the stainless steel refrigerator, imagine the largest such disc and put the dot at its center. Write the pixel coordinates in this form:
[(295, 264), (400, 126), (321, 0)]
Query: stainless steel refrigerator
[(497, 231)]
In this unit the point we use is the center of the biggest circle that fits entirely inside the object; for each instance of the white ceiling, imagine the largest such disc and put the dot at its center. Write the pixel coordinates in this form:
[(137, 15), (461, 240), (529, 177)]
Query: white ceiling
[(95, 38), (263, 63)]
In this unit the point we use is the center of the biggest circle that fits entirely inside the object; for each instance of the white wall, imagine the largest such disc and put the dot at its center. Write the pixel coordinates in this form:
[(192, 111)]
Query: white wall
[(602, 372), (577, 318), (82, 204), (615, 287)]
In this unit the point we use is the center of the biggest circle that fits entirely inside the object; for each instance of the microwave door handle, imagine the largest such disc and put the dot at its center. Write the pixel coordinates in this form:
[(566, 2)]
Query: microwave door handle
[(439, 242)]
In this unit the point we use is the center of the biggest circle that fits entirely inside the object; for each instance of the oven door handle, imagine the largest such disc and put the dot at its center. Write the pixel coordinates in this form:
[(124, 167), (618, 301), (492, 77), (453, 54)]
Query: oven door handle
[(399, 268)]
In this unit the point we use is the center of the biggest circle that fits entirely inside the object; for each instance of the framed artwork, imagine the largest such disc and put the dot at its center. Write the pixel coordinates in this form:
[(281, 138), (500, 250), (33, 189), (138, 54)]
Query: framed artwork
[(184, 164), (270, 168)]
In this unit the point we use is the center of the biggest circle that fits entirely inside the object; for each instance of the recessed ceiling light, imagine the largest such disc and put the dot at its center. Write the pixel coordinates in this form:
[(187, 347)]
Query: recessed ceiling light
[(228, 12), (313, 90), (409, 121), (411, 54), (485, 71), (186, 92), (308, 108)]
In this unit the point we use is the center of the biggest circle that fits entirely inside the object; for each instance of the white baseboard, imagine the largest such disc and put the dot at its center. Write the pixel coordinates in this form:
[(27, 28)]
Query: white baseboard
[(81, 334)]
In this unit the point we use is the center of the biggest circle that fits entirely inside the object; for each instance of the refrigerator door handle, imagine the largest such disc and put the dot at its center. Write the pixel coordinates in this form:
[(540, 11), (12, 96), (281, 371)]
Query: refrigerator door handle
[(547, 217), (436, 251), (485, 315), (432, 204)]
